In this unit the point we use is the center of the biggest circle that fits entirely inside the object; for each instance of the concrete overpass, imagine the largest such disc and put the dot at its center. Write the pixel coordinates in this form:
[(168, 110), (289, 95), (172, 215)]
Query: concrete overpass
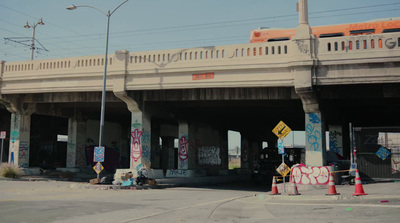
[(197, 94)]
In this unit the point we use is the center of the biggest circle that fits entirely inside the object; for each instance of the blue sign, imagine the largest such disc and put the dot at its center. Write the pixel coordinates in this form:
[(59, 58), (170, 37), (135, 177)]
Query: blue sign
[(281, 147), (383, 153), (98, 154)]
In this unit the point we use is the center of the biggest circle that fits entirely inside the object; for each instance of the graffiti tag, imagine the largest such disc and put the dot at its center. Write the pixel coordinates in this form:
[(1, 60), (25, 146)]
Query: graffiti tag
[(310, 175)]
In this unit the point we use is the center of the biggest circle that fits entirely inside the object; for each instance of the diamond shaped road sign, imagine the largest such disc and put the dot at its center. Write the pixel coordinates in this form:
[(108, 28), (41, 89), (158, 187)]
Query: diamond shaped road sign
[(283, 169), (98, 167), (281, 130)]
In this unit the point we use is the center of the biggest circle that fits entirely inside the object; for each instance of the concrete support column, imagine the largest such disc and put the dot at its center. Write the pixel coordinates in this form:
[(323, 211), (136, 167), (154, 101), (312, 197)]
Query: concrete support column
[(140, 139), (336, 139), (245, 152), (20, 139), (71, 146), (315, 140), (155, 149), (183, 148), (76, 143)]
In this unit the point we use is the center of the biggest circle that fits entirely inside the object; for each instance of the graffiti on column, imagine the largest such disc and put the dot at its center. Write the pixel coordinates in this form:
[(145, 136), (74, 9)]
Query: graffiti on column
[(23, 153), (136, 147), (395, 160), (136, 150), (183, 152), (335, 141), (12, 151), (146, 142), (313, 135), (209, 156), (16, 119)]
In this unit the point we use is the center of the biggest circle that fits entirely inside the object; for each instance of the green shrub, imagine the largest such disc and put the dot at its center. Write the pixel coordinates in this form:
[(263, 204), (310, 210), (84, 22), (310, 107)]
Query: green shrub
[(10, 171)]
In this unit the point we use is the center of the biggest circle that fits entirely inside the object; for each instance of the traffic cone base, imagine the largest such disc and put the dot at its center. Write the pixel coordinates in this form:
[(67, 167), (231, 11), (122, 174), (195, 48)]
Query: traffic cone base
[(294, 189), (359, 190), (274, 190), (332, 187)]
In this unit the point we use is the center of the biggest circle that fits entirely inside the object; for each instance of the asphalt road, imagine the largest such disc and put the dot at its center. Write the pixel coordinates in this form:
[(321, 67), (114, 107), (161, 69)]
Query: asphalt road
[(24, 201)]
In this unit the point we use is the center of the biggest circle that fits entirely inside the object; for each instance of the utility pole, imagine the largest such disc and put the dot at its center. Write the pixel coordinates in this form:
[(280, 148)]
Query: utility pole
[(33, 34), (23, 40)]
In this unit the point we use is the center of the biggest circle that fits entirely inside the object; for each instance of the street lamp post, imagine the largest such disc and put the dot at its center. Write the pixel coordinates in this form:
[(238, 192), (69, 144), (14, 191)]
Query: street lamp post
[(103, 93), (40, 22)]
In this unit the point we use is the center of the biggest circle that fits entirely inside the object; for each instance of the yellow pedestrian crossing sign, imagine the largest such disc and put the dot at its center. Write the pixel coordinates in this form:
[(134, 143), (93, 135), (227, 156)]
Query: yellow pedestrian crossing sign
[(283, 169), (281, 130), (98, 167)]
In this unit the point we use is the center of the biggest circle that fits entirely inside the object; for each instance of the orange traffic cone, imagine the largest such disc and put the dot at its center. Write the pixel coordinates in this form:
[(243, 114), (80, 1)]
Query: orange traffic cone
[(294, 188), (359, 188), (331, 187), (274, 190)]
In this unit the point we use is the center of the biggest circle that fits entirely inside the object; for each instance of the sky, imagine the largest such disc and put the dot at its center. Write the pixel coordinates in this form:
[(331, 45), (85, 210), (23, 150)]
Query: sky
[(162, 24)]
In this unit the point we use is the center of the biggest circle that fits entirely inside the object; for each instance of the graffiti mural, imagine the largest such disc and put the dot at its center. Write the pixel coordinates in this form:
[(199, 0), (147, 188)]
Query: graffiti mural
[(183, 152), (317, 175), (395, 160), (313, 134), (136, 150), (178, 173), (23, 153), (209, 156), (335, 140), (146, 143)]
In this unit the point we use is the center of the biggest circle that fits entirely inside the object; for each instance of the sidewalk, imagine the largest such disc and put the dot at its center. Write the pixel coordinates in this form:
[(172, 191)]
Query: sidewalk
[(161, 183), (381, 191)]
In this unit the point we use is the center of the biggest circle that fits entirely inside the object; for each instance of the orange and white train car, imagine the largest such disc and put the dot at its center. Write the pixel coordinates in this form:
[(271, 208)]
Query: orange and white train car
[(364, 28)]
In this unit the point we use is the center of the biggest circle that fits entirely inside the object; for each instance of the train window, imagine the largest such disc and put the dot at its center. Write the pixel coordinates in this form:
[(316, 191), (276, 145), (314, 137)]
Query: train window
[(278, 39), (327, 35), (391, 30), (362, 31)]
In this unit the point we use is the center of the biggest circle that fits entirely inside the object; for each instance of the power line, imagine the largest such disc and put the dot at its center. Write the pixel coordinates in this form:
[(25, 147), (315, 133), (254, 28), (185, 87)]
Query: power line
[(214, 25), (244, 20)]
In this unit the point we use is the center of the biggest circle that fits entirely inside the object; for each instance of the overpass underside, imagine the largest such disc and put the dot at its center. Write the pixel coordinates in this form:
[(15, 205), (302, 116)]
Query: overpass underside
[(211, 112)]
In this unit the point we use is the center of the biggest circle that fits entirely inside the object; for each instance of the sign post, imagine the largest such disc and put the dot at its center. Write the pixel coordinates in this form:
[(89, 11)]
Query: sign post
[(98, 157), (281, 150), (282, 130), (2, 137)]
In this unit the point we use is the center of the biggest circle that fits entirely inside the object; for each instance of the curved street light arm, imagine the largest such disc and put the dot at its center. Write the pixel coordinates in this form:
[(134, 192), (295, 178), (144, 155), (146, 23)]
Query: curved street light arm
[(118, 7), (108, 14), (77, 6)]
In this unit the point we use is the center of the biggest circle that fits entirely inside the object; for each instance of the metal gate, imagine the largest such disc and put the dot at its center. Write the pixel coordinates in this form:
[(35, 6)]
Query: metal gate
[(377, 152)]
